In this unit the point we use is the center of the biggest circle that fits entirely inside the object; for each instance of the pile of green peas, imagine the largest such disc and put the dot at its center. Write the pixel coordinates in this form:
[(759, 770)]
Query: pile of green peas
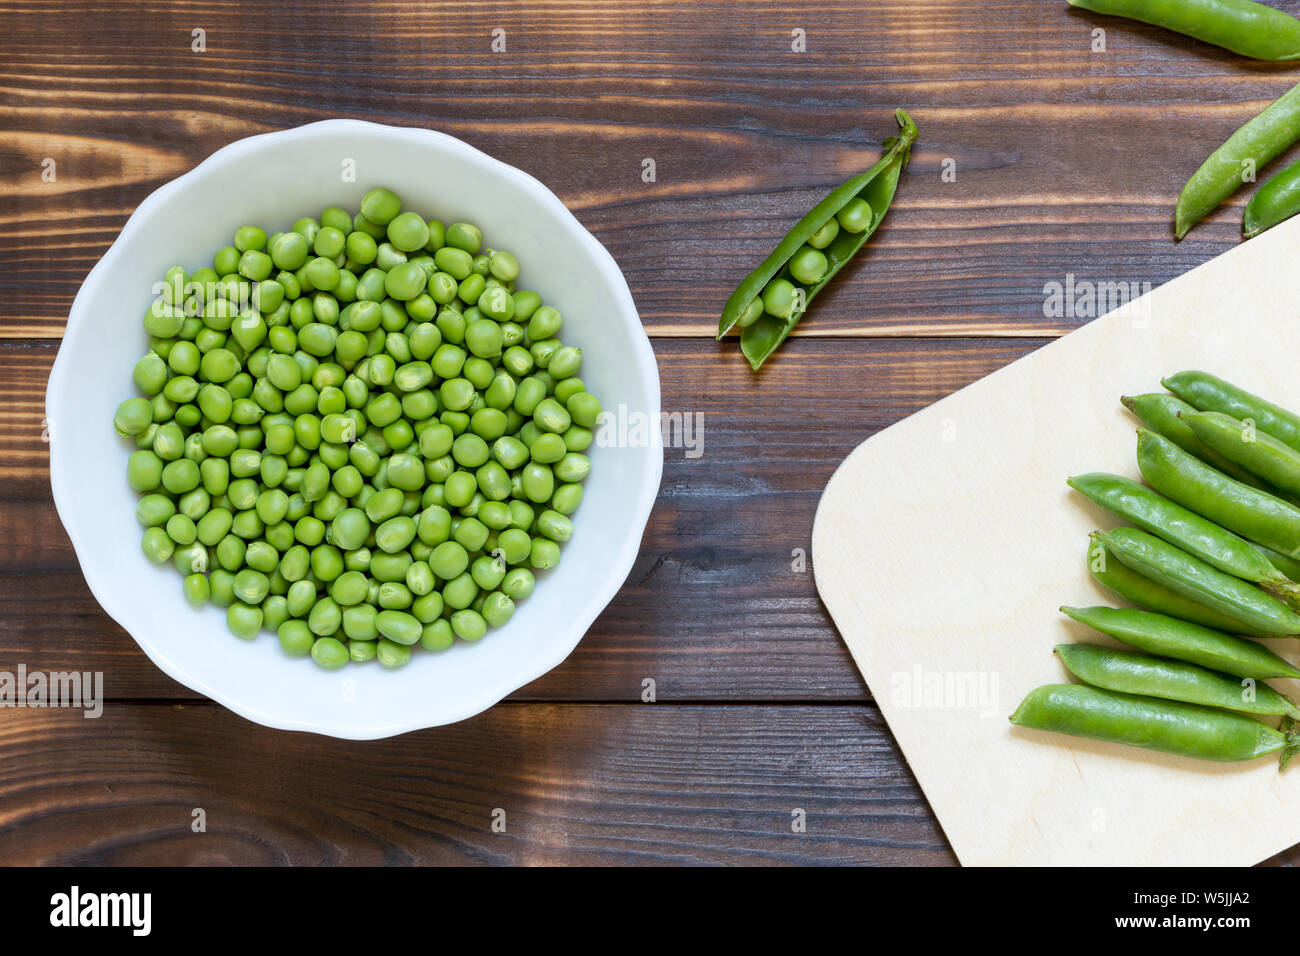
[(357, 434), (807, 267)]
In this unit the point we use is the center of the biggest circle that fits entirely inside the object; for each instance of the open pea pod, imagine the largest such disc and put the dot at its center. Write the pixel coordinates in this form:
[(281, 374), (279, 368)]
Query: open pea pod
[(762, 334)]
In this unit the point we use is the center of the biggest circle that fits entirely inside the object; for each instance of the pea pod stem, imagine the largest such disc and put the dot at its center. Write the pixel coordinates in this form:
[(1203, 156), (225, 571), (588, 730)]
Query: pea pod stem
[(761, 337), (1249, 149), (1242, 26)]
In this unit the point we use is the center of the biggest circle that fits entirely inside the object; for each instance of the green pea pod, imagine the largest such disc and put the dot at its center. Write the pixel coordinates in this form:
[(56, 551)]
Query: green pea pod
[(760, 338), (1274, 461), (1188, 730), (1242, 26), (1193, 578), (1235, 162), (1206, 540), (1283, 562), (1159, 412), (1255, 515), (1276, 200), (1116, 576), (1170, 637), (1129, 673), (1209, 393)]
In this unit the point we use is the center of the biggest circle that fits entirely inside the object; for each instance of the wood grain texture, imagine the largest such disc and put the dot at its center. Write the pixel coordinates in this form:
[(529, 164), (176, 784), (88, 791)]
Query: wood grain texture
[(1067, 161), (641, 784), (713, 609)]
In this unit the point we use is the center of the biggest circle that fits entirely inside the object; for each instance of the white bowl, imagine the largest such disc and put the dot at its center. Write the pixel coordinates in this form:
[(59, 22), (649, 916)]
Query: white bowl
[(271, 180)]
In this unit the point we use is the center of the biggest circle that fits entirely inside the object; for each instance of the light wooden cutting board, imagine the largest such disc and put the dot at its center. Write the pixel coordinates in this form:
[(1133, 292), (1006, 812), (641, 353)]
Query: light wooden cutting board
[(944, 545)]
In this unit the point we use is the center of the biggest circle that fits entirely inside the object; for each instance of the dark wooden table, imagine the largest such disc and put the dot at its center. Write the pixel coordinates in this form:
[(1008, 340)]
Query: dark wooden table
[(1066, 162)]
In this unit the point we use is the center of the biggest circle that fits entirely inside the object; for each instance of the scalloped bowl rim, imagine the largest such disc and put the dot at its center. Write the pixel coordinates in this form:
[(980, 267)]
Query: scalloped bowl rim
[(640, 500)]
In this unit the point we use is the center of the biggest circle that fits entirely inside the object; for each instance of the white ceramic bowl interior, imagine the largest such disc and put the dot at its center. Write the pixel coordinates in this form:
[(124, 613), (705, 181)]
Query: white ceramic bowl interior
[(272, 180)]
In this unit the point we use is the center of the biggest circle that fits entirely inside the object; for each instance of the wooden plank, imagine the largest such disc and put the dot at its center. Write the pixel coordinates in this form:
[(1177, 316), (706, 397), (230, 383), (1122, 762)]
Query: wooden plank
[(636, 784), (1067, 161), (945, 545), (713, 609)]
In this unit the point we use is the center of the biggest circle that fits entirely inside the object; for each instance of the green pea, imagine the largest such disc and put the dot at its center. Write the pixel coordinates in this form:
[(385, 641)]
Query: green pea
[(133, 416), (463, 235), (468, 625), (243, 621), (584, 409), (855, 216), (325, 617), (349, 588), (497, 609), (434, 527), (551, 416), (471, 534), (484, 338), (437, 635), (406, 472), (497, 304), (573, 467), (289, 250), (408, 232), (330, 653), (456, 263), (459, 488), (360, 651), (197, 590), (359, 622), (545, 554), (222, 584), (405, 281), (380, 206), (153, 510), (529, 394), (808, 265), (150, 374), (296, 639), (555, 526), (249, 237), (567, 498), (565, 362), (144, 470), (180, 528), (395, 534), (398, 626), (515, 545), (301, 597), (779, 298), (251, 586), (518, 583), (547, 449), (157, 546), (391, 655), (825, 234), (460, 592), (448, 560)]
